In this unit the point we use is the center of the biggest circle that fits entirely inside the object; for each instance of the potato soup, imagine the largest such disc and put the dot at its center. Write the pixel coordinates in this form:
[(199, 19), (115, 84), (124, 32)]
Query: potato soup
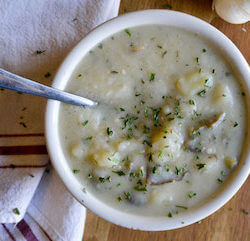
[(170, 125)]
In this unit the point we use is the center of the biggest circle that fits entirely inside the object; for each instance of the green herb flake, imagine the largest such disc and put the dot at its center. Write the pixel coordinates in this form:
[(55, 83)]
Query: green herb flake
[(197, 60), (170, 215), (204, 50), (220, 181), (199, 222), (140, 189), (222, 173), (183, 207), (119, 173), (127, 31), (16, 211), (244, 211), (202, 93), (127, 196), (191, 102), (84, 123), (121, 109), (191, 194), (150, 159), (224, 95), (154, 169), (113, 72), (102, 179), (200, 165), (109, 132), (151, 77), (84, 190), (138, 94), (109, 179), (119, 199), (88, 138), (75, 171), (235, 124), (147, 142), (213, 71), (90, 176), (167, 167), (40, 52)]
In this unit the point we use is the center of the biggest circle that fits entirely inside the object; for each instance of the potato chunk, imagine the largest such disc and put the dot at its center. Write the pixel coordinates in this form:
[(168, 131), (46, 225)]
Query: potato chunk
[(193, 83)]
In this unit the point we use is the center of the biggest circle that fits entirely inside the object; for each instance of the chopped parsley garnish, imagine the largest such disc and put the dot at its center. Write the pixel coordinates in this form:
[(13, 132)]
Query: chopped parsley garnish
[(219, 180), (191, 194), (90, 176), (170, 118), (183, 207), (141, 189), (84, 190), (170, 215), (16, 211), (204, 50), (245, 211), (200, 165), (213, 71), (127, 196), (197, 59), (224, 95), (88, 138), (119, 173), (191, 102), (147, 142), (197, 149), (114, 72), (151, 77), (75, 171), (177, 171), (167, 167), (137, 94), (150, 159), (222, 173), (109, 179), (121, 109), (159, 46), (40, 51), (102, 179), (84, 123), (109, 132), (201, 93), (235, 124), (127, 31), (119, 199), (154, 169)]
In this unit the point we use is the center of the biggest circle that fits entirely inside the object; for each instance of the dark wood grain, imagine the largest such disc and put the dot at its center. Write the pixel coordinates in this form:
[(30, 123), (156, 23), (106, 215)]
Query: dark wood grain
[(227, 224)]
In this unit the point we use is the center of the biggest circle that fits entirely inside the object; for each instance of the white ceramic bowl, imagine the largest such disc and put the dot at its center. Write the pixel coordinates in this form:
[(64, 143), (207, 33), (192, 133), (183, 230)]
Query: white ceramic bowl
[(163, 17)]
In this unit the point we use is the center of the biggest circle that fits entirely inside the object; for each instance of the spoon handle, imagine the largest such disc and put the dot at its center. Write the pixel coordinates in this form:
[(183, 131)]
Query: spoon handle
[(18, 83)]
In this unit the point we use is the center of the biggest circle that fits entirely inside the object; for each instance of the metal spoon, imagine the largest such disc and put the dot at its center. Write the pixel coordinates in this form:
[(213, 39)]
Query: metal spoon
[(18, 83)]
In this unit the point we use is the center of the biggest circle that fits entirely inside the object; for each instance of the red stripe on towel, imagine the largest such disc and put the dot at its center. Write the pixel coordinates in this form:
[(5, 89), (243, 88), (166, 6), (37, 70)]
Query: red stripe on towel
[(23, 150), (8, 232), (26, 231), (21, 135)]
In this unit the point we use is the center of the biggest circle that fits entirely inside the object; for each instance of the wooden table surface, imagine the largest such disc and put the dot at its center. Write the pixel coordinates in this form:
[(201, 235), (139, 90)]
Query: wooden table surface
[(230, 223)]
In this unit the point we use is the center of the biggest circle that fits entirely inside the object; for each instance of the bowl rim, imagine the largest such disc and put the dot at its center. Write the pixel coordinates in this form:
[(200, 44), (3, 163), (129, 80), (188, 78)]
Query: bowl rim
[(129, 20)]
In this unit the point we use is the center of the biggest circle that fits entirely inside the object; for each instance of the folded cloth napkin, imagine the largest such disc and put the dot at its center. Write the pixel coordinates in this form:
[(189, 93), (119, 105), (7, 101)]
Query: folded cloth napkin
[(35, 36)]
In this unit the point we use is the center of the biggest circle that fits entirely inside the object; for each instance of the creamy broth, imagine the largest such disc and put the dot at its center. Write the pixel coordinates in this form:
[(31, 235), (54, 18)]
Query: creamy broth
[(170, 126)]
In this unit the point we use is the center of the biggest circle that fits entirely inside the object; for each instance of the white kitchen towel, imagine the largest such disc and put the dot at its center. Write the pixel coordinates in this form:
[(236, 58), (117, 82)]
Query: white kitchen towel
[(35, 36)]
